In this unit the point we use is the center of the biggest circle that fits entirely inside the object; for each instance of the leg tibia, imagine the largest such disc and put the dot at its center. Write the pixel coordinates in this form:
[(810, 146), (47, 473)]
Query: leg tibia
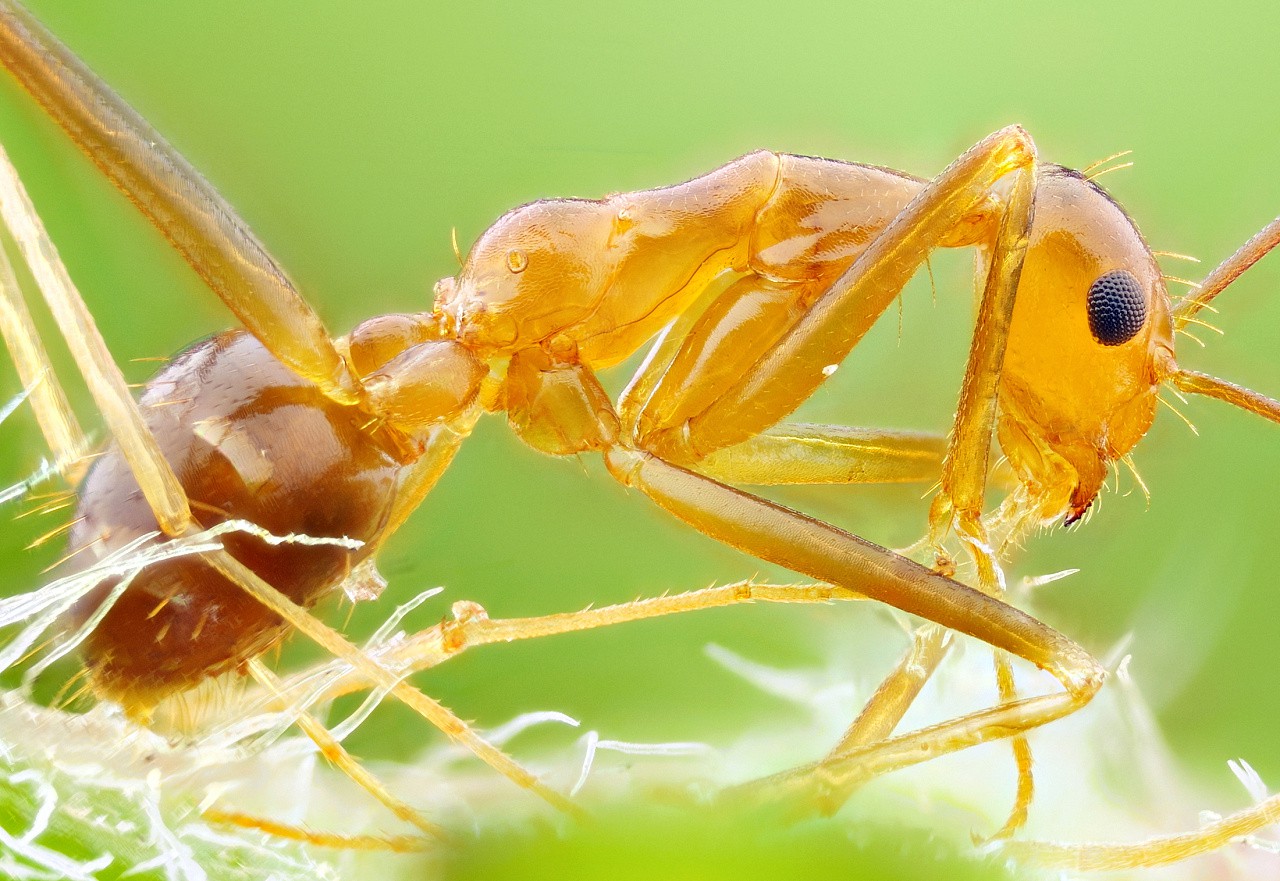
[(106, 383), (797, 453), (852, 769), (337, 841), (58, 424), (888, 705), (338, 756), (472, 627), (819, 550), (191, 214), (1155, 852)]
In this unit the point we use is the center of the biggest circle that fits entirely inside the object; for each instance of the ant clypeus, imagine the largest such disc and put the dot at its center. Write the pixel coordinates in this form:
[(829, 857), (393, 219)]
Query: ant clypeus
[(757, 279)]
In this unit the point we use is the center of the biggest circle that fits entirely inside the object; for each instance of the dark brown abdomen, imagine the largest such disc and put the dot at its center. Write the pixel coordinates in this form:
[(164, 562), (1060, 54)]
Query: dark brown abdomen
[(249, 440)]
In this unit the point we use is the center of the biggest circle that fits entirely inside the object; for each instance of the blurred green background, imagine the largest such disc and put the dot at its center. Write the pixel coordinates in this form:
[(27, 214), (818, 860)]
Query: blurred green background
[(353, 137)]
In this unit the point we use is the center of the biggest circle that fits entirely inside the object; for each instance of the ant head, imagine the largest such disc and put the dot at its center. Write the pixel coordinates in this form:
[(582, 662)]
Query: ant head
[(540, 269), (1090, 341)]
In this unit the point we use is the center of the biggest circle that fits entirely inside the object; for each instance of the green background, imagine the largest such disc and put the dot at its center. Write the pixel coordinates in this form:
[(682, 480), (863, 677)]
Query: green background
[(354, 137)]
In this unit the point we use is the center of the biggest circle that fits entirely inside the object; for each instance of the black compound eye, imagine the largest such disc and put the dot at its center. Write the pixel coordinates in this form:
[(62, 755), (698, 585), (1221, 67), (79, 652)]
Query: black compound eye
[(1117, 307)]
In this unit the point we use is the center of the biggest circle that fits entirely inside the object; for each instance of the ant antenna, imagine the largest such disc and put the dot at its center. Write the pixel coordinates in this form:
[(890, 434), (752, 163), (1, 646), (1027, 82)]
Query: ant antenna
[(1215, 283), (1236, 395), (1230, 269)]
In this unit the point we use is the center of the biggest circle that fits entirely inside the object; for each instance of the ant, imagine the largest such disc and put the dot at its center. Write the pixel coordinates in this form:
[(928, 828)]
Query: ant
[(755, 280)]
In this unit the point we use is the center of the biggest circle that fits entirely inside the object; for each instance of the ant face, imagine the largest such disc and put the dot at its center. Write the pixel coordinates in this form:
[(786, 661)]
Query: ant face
[(536, 272), (1091, 339)]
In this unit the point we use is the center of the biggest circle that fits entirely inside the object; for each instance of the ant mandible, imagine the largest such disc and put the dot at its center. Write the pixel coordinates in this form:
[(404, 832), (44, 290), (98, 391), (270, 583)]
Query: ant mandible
[(755, 278)]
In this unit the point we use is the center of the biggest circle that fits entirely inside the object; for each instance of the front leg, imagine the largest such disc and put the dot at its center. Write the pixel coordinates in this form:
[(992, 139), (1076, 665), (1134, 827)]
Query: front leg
[(675, 418), (958, 505)]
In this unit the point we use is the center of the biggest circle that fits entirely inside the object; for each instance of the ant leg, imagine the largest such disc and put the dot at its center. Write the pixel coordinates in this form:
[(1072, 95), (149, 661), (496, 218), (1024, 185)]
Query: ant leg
[(428, 708), (890, 702), (964, 472), (777, 461), (1147, 854), (187, 210), (106, 383), (897, 692), (819, 550), (62, 434), (886, 707), (472, 627), (395, 844), (338, 756), (789, 454), (1022, 759), (674, 415), (164, 493), (823, 335), (894, 697)]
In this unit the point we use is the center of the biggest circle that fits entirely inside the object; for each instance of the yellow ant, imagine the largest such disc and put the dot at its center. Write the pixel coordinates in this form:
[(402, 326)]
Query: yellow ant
[(755, 279)]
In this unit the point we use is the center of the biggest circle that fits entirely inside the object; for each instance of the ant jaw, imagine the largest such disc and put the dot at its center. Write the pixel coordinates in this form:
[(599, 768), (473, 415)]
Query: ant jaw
[(1075, 512)]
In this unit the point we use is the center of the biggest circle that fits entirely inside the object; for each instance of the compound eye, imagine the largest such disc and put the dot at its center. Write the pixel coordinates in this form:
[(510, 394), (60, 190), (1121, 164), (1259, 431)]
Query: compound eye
[(1117, 307)]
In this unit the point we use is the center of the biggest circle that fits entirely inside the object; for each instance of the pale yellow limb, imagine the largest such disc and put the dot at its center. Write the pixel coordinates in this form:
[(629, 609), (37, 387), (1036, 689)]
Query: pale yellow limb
[(964, 473), (897, 692), (337, 841), (190, 213), (820, 550), (1022, 759), (885, 709), (855, 768), (104, 379), (472, 627), (440, 445), (817, 549), (890, 703), (428, 708), (62, 434), (802, 358), (1146, 854), (337, 754), (802, 454), (829, 328)]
